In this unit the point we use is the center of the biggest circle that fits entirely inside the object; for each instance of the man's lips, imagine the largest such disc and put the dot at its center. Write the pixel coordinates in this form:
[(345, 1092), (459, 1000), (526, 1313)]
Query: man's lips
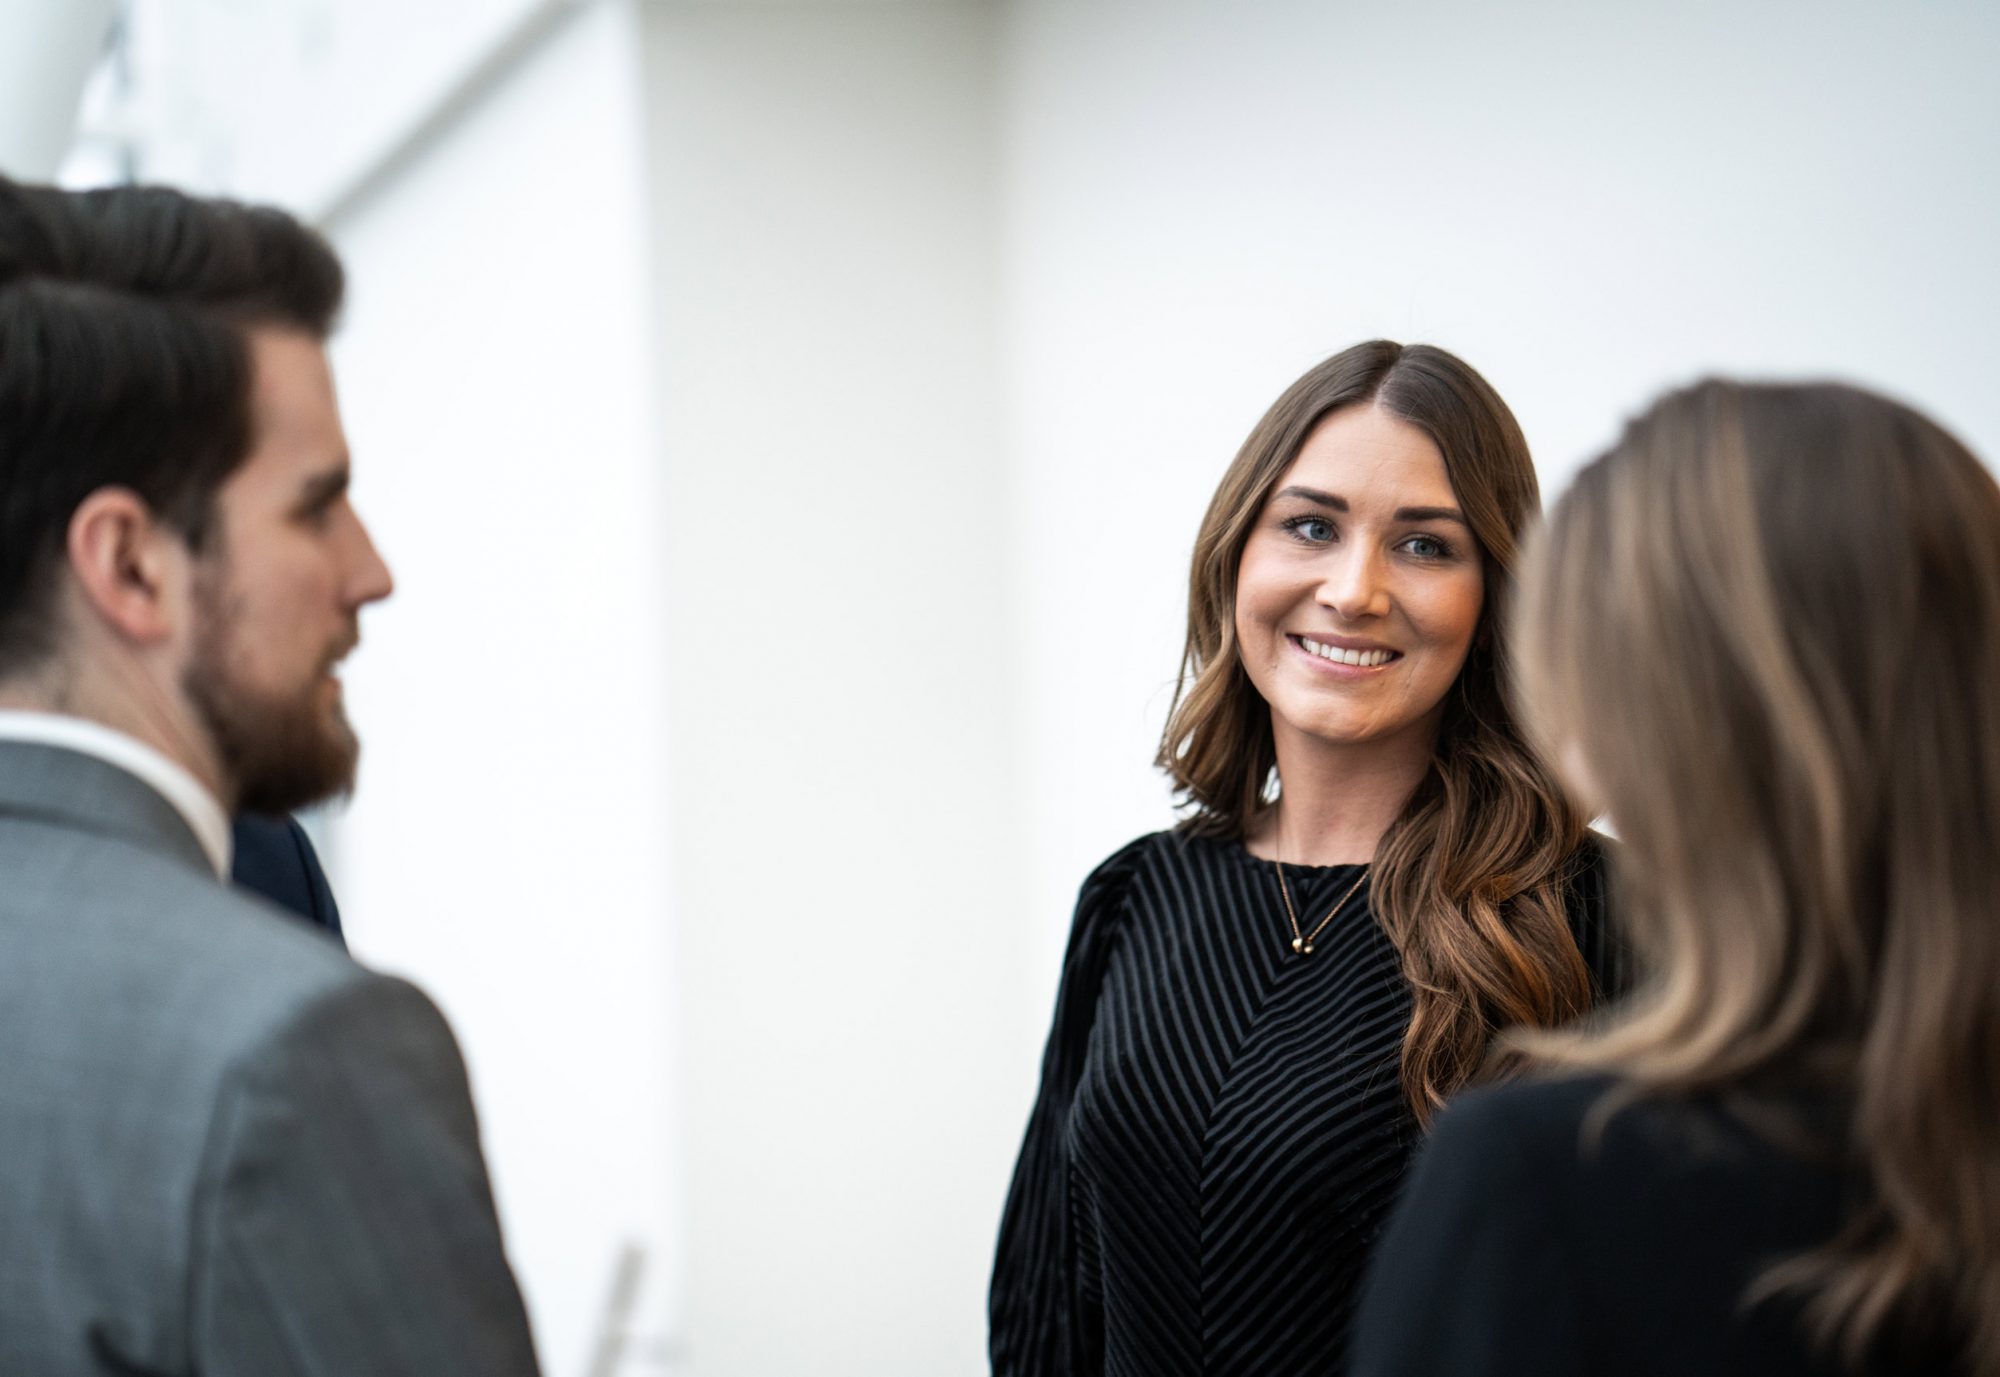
[(345, 648)]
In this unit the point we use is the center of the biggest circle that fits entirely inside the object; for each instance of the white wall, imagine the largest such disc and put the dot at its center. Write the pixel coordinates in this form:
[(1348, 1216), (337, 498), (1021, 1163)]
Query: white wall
[(288, 101), (45, 58), (1587, 201), (508, 843), (840, 708)]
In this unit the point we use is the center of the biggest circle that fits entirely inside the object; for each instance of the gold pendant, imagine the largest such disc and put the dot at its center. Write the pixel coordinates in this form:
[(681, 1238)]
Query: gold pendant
[(1301, 946)]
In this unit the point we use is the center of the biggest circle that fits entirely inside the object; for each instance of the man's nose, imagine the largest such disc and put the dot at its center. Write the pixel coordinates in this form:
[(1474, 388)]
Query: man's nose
[(370, 579), (1355, 585)]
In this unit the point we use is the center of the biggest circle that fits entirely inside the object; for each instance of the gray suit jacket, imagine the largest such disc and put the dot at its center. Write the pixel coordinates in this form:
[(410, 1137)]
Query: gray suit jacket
[(225, 1149)]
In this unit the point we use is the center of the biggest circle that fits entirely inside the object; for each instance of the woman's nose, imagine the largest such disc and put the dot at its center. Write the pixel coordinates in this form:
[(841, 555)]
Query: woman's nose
[(1355, 585)]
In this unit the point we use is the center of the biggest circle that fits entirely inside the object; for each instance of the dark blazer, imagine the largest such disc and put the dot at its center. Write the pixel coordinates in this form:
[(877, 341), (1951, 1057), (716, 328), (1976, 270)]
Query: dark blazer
[(1525, 1246), (229, 1149), (275, 858)]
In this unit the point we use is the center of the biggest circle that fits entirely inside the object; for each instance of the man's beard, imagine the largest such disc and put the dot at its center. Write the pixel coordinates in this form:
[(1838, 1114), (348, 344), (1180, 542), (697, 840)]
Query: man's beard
[(280, 752)]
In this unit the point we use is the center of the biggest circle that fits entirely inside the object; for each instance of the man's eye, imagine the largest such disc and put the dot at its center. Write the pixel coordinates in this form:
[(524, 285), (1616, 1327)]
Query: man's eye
[(1316, 529)]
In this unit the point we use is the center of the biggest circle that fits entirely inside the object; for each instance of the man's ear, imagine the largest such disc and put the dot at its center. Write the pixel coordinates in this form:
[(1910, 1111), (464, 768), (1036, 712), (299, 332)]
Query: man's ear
[(129, 567)]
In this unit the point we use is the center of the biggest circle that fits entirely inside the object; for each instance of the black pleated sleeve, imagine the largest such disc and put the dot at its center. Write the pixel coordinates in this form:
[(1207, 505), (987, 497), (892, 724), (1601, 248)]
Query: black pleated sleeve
[(1033, 1308)]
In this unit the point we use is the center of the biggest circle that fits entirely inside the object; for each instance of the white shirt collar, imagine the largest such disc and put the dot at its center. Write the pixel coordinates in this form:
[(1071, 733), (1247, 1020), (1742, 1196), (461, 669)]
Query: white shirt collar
[(170, 780)]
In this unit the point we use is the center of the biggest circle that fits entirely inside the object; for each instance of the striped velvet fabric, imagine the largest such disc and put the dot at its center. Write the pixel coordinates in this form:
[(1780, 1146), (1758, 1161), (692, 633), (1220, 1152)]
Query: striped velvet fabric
[(1221, 1129)]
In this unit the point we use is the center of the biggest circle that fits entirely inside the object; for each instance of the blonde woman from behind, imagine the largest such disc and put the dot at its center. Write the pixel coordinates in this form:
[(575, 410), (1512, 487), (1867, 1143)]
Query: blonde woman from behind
[(1763, 632)]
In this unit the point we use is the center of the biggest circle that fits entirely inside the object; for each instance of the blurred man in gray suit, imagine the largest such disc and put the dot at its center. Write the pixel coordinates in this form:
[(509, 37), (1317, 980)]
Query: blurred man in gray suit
[(225, 1149)]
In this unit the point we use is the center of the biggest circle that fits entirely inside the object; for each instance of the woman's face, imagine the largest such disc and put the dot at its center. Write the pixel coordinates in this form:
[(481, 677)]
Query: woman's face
[(1360, 589)]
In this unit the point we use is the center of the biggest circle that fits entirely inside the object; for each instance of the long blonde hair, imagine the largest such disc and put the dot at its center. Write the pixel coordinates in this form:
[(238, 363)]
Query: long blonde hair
[(1471, 881), (1768, 622)]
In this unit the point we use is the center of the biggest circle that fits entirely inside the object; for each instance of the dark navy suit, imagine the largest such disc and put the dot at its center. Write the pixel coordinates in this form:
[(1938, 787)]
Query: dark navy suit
[(275, 859)]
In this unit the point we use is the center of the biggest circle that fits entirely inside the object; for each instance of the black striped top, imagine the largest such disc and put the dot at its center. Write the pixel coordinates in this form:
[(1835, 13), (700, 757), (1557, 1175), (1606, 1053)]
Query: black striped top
[(1221, 1127)]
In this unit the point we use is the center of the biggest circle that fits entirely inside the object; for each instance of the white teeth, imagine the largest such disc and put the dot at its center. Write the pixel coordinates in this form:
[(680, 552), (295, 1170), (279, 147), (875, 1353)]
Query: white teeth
[(1365, 659)]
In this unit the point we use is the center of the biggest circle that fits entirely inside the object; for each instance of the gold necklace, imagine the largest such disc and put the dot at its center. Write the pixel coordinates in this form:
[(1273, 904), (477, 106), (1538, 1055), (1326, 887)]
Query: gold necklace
[(1302, 942)]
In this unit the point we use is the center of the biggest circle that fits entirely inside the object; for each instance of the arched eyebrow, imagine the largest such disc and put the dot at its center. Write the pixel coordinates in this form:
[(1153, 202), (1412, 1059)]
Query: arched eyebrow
[(1432, 514), (1339, 504)]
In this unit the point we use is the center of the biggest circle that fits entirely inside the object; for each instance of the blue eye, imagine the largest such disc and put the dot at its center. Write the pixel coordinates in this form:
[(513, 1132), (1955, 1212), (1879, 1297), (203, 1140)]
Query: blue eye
[(1427, 547), (1316, 529)]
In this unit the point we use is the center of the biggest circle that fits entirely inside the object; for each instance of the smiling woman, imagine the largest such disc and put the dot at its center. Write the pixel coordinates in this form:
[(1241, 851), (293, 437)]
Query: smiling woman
[(1359, 589), (1261, 1009)]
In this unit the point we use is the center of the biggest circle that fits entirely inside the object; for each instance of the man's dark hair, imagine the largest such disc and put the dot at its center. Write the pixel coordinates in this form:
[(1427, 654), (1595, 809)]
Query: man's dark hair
[(124, 361)]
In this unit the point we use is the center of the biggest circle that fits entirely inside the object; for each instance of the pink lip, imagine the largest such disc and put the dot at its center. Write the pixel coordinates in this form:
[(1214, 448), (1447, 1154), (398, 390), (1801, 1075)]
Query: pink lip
[(1334, 668)]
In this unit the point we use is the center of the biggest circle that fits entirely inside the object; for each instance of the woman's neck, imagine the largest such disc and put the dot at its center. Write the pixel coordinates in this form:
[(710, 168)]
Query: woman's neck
[(1336, 802)]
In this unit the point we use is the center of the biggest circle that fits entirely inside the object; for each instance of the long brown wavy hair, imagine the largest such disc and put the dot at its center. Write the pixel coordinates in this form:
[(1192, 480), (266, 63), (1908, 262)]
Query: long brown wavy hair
[(1470, 881), (1768, 624)]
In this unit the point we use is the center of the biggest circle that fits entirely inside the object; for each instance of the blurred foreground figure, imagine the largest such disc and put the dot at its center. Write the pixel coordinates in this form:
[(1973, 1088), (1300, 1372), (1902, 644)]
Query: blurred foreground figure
[(1764, 633), (227, 1148)]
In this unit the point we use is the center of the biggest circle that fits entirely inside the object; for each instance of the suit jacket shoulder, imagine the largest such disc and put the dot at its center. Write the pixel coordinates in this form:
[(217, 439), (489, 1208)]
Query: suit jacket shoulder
[(342, 1180), (213, 1118)]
